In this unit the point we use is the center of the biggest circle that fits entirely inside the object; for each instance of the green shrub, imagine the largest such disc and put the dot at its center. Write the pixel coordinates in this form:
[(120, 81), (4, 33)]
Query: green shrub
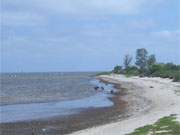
[(168, 124), (103, 73), (132, 71), (117, 69), (177, 77), (165, 71)]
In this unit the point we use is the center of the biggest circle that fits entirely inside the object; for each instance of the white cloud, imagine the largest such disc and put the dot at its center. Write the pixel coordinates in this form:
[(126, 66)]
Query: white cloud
[(142, 24), (33, 12), (21, 19), (84, 7), (171, 35), (168, 37), (96, 6)]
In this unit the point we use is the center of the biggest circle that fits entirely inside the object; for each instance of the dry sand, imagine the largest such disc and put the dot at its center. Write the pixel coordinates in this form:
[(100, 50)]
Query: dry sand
[(162, 96)]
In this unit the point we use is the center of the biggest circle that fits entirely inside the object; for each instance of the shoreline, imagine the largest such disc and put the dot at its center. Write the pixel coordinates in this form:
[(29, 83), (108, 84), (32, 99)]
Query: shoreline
[(160, 94), (67, 124), (140, 101)]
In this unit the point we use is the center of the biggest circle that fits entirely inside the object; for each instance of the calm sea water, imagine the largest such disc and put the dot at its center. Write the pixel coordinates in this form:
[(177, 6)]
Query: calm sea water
[(28, 96)]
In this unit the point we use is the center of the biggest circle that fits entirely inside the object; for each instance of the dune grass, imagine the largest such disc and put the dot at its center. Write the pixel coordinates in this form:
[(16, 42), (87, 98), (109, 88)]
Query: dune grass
[(164, 126)]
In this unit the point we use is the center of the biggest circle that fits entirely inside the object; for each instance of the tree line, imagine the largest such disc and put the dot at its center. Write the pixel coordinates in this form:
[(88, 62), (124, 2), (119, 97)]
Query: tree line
[(147, 65)]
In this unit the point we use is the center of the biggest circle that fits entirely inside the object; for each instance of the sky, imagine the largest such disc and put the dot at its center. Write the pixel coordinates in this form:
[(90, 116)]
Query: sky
[(86, 35)]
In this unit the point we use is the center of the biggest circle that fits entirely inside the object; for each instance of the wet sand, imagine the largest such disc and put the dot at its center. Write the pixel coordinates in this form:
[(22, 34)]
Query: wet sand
[(67, 124)]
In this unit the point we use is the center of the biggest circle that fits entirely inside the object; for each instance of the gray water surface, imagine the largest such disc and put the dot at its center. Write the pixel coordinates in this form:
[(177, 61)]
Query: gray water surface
[(22, 112), (75, 99), (18, 88)]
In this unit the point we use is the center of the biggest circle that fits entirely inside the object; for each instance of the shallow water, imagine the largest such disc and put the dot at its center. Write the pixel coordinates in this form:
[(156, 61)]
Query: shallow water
[(73, 102), (18, 88), (21, 112)]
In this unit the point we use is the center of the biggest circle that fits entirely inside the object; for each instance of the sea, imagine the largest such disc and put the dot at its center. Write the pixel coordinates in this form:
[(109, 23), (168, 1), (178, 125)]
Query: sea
[(32, 96)]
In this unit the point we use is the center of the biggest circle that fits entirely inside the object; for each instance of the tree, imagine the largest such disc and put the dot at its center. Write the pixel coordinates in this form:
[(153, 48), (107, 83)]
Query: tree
[(171, 66), (141, 59), (156, 69), (127, 61), (151, 60), (117, 69)]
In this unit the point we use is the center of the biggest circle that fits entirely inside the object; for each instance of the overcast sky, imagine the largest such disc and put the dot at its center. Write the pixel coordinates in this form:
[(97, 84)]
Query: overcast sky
[(86, 35)]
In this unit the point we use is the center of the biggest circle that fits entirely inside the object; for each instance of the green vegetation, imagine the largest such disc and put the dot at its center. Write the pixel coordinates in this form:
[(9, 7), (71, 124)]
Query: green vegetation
[(141, 59), (117, 69), (164, 126), (127, 61), (168, 70), (132, 71), (146, 65), (177, 77), (104, 73)]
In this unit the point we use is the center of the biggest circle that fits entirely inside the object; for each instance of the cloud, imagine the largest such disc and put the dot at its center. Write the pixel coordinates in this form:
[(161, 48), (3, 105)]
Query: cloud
[(82, 7), (21, 19), (142, 24), (167, 35), (96, 6), (34, 12), (86, 29)]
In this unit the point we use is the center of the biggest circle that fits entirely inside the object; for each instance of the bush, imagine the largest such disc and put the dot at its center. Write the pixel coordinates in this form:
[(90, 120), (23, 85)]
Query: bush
[(103, 73), (165, 71), (117, 69), (131, 71), (177, 77)]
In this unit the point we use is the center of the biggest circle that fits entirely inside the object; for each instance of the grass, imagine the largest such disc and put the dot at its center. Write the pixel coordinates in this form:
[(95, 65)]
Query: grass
[(164, 126)]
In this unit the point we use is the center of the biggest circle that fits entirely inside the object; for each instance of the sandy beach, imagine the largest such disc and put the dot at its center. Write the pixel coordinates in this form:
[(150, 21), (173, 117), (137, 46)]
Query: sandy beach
[(137, 102), (149, 99)]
